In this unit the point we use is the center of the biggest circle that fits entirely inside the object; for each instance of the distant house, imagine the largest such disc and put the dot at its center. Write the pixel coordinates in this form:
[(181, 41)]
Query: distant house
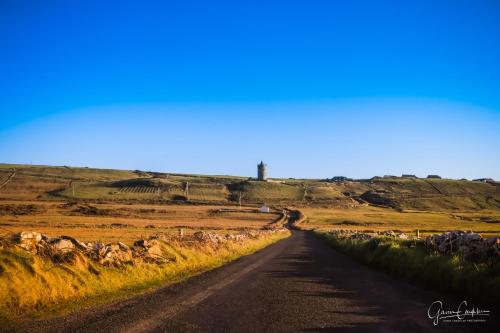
[(484, 180), (408, 176), (340, 179), (434, 176), (264, 209)]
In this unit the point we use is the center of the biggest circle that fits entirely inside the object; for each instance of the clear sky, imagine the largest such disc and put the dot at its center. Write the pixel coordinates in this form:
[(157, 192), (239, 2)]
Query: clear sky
[(314, 88)]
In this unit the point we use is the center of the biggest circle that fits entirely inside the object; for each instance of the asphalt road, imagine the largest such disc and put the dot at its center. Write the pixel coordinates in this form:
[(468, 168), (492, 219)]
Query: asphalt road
[(299, 284)]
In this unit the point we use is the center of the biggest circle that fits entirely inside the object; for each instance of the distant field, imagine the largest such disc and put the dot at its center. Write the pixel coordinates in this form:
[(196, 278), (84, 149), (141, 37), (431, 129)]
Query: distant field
[(373, 218), (134, 203), (25, 182), (123, 222)]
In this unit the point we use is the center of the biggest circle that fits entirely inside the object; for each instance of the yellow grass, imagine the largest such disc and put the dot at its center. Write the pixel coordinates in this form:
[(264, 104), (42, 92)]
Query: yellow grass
[(31, 287), (375, 218)]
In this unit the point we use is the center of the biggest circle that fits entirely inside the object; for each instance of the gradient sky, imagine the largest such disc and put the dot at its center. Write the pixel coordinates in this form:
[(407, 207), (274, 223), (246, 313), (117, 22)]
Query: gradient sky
[(314, 88)]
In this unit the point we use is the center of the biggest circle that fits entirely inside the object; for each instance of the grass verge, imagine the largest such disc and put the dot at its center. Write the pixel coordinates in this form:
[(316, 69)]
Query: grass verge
[(33, 288), (414, 262)]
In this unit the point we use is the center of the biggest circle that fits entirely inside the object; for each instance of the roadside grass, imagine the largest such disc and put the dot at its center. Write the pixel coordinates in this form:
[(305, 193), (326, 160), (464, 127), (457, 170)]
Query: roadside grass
[(34, 288), (410, 260)]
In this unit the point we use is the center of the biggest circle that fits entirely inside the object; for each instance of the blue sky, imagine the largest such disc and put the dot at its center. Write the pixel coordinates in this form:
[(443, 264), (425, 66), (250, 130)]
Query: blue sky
[(314, 88)]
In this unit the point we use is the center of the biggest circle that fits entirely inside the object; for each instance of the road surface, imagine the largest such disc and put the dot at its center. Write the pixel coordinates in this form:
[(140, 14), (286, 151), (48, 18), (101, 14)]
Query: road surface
[(299, 284)]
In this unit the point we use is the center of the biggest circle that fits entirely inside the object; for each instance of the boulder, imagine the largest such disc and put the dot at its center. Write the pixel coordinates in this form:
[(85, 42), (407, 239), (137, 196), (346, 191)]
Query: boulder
[(28, 240), (98, 249), (150, 251), (214, 238), (200, 235), (154, 249), (389, 233), (493, 244), (123, 247), (79, 245), (360, 236), (468, 244), (141, 243), (61, 245), (115, 255)]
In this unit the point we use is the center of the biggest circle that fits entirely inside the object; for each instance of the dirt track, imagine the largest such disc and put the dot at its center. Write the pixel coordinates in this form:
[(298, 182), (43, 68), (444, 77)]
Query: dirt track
[(298, 284)]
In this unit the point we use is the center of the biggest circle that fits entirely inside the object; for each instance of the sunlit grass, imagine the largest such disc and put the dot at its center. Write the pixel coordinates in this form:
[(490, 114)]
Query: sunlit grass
[(31, 287)]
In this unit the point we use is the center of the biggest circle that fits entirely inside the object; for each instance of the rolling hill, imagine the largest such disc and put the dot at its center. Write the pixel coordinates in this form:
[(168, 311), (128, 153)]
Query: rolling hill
[(23, 182)]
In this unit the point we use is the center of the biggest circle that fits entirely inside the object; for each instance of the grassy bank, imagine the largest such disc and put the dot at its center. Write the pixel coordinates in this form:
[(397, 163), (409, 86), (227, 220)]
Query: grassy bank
[(31, 287), (412, 261)]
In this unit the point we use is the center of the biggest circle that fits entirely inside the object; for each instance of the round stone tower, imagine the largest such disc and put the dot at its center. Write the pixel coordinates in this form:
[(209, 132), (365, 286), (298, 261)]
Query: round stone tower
[(261, 171)]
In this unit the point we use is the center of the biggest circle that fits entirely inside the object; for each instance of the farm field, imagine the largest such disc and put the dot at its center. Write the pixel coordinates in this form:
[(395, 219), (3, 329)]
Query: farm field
[(111, 222), (123, 205), (486, 222)]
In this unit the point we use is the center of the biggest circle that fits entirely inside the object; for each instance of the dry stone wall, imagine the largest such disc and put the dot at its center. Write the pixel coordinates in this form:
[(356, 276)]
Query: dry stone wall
[(151, 250)]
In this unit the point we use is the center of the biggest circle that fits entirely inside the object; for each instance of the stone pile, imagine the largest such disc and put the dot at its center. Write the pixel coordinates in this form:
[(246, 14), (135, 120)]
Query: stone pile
[(393, 233), (117, 254), (214, 238), (209, 237), (468, 244), (367, 235), (35, 242), (151, 250), (65, 248)]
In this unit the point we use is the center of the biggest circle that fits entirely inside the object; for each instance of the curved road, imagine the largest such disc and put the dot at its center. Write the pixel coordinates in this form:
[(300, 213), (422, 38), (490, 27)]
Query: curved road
[(298, 284)]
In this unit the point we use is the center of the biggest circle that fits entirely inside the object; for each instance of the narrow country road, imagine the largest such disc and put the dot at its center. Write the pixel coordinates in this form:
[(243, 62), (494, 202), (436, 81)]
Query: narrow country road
[(299, 284)]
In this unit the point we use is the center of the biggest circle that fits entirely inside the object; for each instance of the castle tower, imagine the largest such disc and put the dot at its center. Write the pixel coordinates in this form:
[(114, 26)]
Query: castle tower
[(262, 171)]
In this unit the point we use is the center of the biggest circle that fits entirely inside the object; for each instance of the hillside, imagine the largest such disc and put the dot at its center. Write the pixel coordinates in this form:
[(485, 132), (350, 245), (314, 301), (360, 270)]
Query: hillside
[(25, 182)]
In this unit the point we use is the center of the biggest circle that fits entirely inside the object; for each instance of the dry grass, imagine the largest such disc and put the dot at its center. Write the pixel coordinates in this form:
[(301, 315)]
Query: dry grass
[(32, 287), (113, 222), (373, 218)]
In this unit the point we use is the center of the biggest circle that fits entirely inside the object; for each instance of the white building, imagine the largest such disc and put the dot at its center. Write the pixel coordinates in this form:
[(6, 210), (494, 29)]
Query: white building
[(264, 209)]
